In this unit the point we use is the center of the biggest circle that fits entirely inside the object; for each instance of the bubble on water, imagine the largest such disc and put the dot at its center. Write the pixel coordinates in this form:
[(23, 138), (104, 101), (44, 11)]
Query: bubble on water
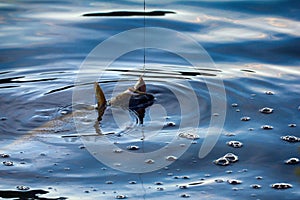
[(117, 164), (234, 181), (253, 95), (292, 161), (250, 129), (109, 182), (234, 105), (118, 150), (3, 118), (160, 188), (171, 158), (158, 183), (266, 110), (281, 186), (189, 135), (219, 180), (185, 195), (229, 172), (254, 195), (22, 187), (267, 127), (259, 177), (227, 159), (269, 92), (133, 147), (8, 163), (216, 114), (121, 196), (255, 186), (170, 124), (64, 112), (132, 182), (185, 177), (243, 171), (222, 161), (81, 147), (67, 168), (235, 144), (176, 177), (237, 110), (42, 154), (290, 138), (292, 125), (245, 119), (149, 161), (183, 187), (170, 174), (4, 155), (230, 134), (231, 157)]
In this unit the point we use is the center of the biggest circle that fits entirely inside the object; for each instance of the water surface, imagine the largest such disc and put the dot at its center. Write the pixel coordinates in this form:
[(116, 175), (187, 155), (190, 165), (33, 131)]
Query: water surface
[(255, 47)]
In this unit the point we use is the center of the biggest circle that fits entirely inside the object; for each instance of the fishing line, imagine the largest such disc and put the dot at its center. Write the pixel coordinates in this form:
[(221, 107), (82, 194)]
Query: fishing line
[(144, 66)]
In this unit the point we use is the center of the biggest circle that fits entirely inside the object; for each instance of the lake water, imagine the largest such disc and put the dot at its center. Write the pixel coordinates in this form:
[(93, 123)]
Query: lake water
[(49, 61)]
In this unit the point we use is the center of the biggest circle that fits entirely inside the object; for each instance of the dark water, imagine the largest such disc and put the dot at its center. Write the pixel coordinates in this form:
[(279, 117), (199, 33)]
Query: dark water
[(255, 47)]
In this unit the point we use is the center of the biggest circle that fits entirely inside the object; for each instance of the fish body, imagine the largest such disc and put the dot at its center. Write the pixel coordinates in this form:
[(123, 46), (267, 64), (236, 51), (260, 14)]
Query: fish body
[(135, 98)]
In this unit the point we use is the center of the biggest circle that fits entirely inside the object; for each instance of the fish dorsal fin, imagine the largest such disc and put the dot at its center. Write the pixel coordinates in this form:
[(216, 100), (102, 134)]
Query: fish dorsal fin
[(101, 101), (140, 85)]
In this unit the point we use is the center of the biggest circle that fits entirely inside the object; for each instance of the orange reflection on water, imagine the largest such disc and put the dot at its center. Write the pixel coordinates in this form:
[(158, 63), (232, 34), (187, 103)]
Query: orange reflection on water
[(276, 22)]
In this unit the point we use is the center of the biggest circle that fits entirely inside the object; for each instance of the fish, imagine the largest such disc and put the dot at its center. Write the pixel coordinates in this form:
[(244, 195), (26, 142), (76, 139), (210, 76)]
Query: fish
[(134, 98)]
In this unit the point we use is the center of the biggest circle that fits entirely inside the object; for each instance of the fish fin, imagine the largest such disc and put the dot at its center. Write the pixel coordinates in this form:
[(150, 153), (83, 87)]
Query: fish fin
[(140, 85), (101, 101), (99, 95)]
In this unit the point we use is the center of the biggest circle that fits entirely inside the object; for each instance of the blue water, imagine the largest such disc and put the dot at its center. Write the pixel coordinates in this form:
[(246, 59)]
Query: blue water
[(255, 48)]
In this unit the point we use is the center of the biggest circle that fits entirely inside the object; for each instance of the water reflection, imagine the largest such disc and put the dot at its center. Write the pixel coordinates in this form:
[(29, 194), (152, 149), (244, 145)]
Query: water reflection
[(23, 195)]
